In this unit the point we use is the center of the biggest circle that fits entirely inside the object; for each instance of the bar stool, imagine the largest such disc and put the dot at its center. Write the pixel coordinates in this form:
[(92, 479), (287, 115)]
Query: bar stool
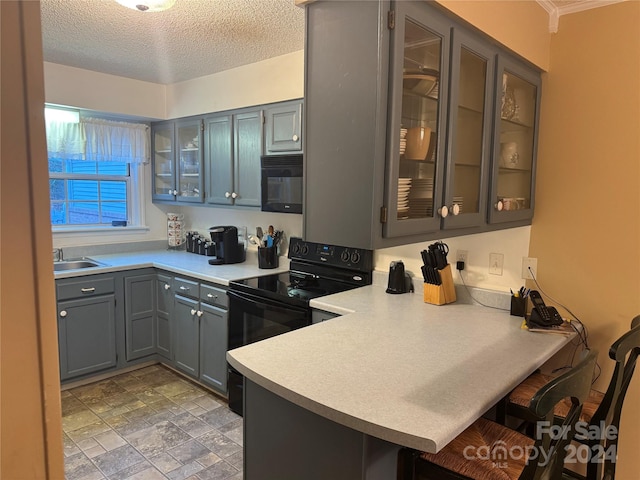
[(490, 451), (599, 408)]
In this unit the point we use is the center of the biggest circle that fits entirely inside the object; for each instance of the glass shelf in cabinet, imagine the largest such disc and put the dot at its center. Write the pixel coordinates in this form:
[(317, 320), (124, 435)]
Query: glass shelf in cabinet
[(513, 170), (515, 123)]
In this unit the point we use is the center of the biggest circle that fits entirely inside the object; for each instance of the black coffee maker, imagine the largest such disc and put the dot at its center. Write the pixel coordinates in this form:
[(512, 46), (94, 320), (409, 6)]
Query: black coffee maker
[(228, 248)]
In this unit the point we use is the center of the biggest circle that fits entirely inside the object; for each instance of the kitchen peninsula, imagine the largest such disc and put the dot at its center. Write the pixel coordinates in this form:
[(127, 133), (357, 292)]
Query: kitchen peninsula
[(337, 399)]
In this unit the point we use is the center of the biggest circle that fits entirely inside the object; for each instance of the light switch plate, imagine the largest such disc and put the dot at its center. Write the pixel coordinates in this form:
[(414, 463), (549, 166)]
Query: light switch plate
[(496, 263)]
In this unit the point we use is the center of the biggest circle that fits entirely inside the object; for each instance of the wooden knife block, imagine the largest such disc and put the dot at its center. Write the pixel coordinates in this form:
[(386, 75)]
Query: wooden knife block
[(441, 294)]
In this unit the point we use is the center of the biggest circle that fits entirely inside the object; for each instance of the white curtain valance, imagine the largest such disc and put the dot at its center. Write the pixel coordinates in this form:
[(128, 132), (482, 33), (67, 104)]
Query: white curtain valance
[(98, 140)]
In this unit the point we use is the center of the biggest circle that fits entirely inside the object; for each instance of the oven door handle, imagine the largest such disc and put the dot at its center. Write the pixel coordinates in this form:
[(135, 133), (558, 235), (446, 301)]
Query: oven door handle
[(263, 302)]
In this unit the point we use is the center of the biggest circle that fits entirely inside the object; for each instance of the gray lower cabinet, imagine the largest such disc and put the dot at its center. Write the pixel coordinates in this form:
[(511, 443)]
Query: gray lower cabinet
[(164, 309), (200, 331), (140, 316), (86, 325), (187, 335), (283, 127), (213, 347)]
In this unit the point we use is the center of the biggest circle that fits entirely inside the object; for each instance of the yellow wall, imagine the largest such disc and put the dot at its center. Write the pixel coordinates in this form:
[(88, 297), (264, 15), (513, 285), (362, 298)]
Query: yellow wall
[(586, 229), (523, 26)]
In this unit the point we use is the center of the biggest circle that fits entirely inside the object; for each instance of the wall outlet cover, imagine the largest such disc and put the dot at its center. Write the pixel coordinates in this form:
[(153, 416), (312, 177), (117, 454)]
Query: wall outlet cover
[(529, 262)]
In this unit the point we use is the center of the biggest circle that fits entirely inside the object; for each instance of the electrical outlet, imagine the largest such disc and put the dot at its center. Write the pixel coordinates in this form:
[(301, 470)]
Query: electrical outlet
[(461, 256), (529, 262), (496, 262)]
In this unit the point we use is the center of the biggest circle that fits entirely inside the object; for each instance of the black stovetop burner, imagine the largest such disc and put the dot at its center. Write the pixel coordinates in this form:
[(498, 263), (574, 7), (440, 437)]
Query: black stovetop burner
[(316, 270)]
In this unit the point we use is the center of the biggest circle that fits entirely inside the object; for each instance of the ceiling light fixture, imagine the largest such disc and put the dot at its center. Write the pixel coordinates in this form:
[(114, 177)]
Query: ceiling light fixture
[(148, 5)]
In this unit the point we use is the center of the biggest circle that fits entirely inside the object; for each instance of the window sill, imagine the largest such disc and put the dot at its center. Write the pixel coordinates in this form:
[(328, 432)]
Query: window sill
[(106, 230)]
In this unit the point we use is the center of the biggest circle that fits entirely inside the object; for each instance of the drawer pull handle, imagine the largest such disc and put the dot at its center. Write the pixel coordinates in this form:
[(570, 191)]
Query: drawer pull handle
[(211, 295), (184, 288), (63, 313), (88, 290)]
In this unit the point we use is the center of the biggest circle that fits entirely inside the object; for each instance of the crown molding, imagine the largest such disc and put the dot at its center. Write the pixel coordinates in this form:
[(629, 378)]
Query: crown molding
[(556, 11), (554, 14), (586, 5)]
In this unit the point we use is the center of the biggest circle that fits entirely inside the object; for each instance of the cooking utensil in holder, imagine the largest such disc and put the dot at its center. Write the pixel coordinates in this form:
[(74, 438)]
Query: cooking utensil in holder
[(443, 293)]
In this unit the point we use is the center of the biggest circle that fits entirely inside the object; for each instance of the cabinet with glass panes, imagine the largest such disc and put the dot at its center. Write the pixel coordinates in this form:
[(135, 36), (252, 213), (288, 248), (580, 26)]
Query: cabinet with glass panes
[(177, 159), (452, 162)]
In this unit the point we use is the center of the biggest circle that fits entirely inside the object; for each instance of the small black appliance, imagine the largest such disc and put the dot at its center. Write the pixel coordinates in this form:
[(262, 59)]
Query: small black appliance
[(399, 281), (228, 248), (282, 183)]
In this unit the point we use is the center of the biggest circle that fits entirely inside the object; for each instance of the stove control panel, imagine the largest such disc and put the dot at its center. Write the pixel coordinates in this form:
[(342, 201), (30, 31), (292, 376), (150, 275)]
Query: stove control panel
[(334, 255)]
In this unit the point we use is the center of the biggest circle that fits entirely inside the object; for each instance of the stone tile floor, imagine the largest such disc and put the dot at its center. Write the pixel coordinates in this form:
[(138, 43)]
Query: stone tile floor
[(149, 424)]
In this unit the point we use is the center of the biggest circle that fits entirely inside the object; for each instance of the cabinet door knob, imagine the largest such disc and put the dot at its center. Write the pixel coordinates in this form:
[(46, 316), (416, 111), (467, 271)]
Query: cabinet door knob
[(63, 313), (295, 138), (88, 290), (227, 194), (444, 211), (455, 209), (167, 286), (199, 313), (193, 311), (234, 195), (499, 206)]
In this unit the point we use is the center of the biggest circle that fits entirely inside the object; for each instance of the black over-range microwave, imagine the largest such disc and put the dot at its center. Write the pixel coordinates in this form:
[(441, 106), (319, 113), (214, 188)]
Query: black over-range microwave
[(282, 183)]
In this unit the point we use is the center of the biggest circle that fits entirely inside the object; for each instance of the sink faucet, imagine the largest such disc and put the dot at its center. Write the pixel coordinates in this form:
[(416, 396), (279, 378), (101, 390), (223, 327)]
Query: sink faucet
[(57, 255)]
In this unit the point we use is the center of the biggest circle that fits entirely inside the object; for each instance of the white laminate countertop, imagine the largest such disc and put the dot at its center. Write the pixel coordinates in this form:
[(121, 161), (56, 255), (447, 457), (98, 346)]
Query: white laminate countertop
[(396, 368), (180, 262)]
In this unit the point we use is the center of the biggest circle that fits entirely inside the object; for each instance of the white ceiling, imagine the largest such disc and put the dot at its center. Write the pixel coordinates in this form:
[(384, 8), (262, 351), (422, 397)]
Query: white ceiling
[(192, 39)]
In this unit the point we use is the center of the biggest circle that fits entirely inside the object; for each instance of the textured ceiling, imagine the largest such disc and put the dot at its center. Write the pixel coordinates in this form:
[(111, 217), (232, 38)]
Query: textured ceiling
[(192, 39)]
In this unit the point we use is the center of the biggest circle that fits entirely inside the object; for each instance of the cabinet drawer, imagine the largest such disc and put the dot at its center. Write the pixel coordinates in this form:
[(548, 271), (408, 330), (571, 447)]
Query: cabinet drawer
[(84, 287), (185, 287), (214, 296)]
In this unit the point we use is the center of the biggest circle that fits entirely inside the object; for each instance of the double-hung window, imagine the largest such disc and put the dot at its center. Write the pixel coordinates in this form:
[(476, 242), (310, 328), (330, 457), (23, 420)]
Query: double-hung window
[(95, 175)]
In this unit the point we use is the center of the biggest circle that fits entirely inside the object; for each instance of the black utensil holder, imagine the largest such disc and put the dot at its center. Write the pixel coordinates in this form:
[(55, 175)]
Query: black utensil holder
[(518, 306), (268, 257)]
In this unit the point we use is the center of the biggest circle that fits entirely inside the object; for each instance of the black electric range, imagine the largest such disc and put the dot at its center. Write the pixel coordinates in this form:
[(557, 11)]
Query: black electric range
[(270, 305)]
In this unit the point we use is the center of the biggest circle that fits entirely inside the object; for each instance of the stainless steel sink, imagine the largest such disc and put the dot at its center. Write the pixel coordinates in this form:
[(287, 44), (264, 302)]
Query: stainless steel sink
[(75, 264)]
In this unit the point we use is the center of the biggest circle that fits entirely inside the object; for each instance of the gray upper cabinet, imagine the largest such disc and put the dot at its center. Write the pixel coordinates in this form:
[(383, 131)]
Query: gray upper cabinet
[(283, 127), (417, 133), (234, 146), (404, 104), (177, 160), (140, 315), (515, 142), (470, 127), (86, 325)]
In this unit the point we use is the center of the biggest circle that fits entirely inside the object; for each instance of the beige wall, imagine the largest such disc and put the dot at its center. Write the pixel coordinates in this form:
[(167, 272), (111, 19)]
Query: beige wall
[(30, 413), (586, 229), (272, 80), (76, 87)]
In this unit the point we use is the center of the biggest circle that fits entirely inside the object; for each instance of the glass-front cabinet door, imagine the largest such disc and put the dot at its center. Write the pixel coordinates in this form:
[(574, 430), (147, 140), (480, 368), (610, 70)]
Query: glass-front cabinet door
[(189, 161), (417, 121), (469, 140), (517, 104), (164, 176), (177, 161)]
